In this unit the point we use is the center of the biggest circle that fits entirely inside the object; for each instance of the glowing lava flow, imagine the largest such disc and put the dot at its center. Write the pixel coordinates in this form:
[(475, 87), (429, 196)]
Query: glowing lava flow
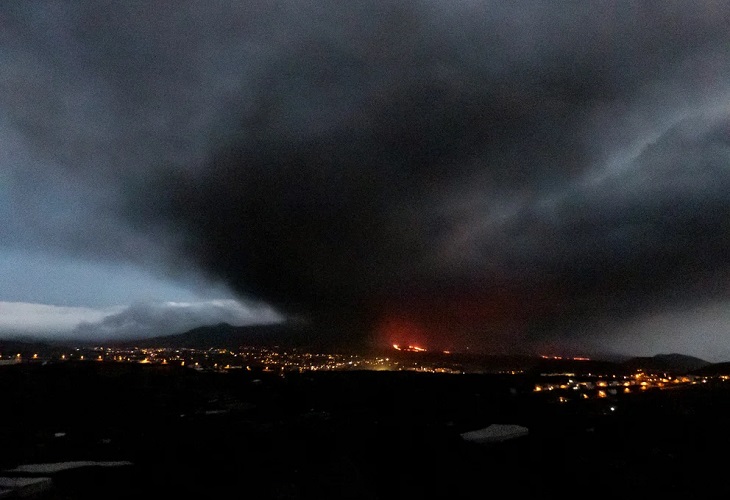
[(410, 348)]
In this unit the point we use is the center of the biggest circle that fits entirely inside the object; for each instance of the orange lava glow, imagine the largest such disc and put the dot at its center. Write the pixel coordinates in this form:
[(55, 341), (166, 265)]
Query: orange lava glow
[(402, 334), (412, 348), (489, 319)]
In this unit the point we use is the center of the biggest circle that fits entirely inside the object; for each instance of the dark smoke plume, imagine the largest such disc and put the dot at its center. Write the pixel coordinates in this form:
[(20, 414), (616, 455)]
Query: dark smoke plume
[(482, 173)]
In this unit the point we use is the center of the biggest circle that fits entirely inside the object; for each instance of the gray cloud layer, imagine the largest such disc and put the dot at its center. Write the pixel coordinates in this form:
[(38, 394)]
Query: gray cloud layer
[(144, 320), (499, 174), (139, 320)]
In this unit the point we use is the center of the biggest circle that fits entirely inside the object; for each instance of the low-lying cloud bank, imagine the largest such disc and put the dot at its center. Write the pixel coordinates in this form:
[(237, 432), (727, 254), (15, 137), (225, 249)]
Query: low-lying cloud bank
[(139, 320), (44, 320)]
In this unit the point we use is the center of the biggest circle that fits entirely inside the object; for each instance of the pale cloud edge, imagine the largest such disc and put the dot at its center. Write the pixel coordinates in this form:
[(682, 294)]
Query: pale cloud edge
[(138, 320)]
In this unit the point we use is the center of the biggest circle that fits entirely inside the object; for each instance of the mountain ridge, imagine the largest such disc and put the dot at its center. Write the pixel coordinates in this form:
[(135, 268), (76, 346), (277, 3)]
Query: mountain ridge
[(302, 336)]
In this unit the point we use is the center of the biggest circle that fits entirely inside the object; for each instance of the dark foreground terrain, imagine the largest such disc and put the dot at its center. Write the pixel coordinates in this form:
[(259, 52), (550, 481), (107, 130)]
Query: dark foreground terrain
[(341, 435)]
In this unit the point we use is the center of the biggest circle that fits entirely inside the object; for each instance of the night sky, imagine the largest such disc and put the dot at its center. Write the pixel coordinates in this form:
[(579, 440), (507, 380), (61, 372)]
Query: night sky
[(500, 176)]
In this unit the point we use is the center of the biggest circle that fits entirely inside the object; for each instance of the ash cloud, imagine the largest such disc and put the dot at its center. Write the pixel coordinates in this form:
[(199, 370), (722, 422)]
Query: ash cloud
[(499, 175)]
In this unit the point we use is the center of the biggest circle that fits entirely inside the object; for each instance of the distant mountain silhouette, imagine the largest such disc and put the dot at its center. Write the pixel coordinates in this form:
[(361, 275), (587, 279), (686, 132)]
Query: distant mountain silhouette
[(225, 335), (713, 369), (671, 363), (25, 347), (577, 366), (303, 336)]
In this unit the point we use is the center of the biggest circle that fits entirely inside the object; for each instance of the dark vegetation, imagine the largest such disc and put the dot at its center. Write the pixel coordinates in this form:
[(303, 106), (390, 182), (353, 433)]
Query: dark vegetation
[(370, 435)]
